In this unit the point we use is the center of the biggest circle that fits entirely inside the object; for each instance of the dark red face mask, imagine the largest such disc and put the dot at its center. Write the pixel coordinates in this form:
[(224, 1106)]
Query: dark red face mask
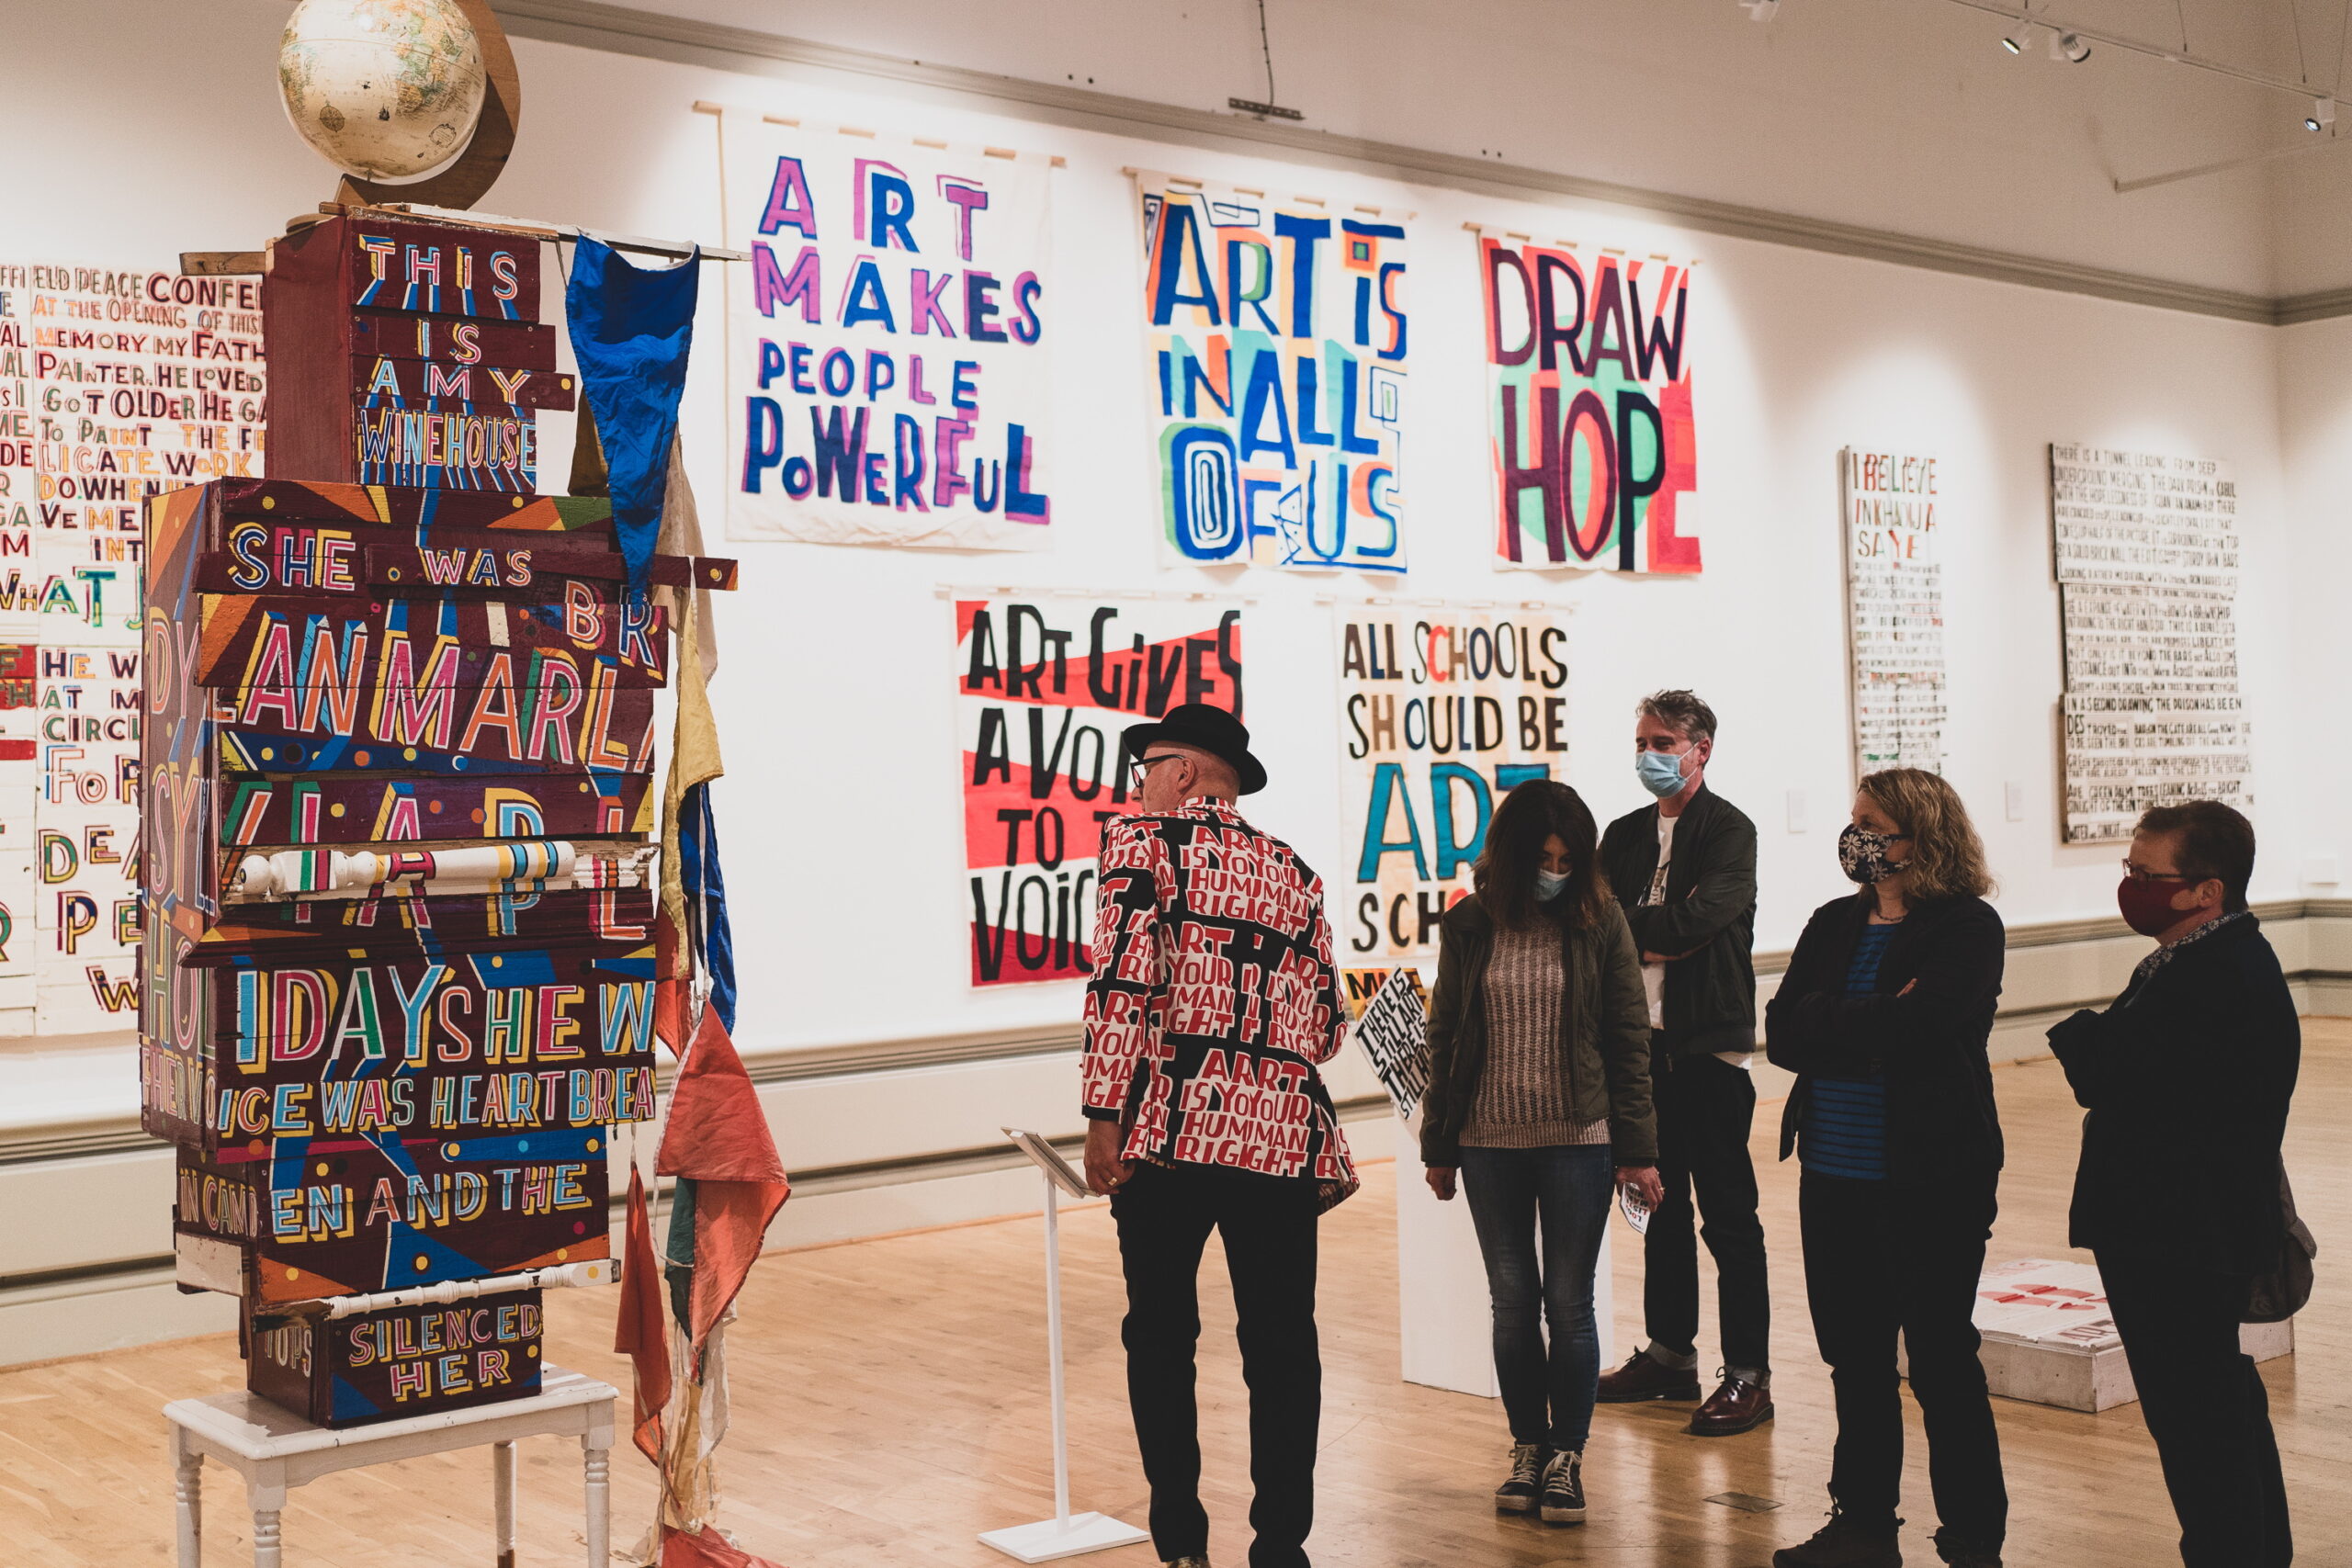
[(2147, 906)]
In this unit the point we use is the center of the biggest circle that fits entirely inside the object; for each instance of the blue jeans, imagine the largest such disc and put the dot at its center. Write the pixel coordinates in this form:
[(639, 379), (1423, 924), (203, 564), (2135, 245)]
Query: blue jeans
[(1569, 1187)]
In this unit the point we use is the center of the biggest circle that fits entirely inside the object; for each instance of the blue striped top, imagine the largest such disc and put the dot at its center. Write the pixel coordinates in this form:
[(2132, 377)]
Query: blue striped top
[(1844, 1119)]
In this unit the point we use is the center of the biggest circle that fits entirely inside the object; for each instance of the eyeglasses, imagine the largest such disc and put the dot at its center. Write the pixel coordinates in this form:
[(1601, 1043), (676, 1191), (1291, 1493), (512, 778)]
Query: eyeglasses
[(2138, 873), (1139, 769)]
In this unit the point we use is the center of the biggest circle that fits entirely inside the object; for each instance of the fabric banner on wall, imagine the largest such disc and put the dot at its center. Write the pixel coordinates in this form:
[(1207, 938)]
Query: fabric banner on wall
[(2147, 562), (888, 345), (1894, 610), (1045, 686), (1441, 712), (116, 384), (1277, 331), (1588, 365)]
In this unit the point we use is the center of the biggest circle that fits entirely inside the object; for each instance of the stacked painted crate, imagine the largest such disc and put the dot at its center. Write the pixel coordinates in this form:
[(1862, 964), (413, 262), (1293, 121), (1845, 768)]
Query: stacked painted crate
[(397, 987)]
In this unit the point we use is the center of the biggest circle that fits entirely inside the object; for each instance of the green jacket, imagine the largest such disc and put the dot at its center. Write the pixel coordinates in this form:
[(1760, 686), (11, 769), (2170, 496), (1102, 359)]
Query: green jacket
[(1708, 915), (1609, 1034)]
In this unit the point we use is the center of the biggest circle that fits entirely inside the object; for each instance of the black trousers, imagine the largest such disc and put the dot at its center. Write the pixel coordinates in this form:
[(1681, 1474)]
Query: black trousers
[(1268, 1225), (1880, 1261), (1704, 1110), (2205, 1405)]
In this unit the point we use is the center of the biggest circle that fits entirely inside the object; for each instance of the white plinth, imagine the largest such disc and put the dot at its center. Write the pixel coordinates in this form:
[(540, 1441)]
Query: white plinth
[(1049, 1539), (1445, 1320)]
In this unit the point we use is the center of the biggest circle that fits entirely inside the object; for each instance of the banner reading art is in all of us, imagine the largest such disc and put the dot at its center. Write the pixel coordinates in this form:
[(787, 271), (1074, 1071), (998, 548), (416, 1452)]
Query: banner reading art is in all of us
[(1277, 341), (887, 342), (1045, 686), (1442, 712), (1588, 365)]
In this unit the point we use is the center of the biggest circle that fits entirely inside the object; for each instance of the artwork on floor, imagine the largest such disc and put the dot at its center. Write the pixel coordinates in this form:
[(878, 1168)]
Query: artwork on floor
[(397, 880), (1045, 684), (115, 385), (888, 345), (1442, 711), (1277, 344), (2147, 549), (1594, 448), (1895, 608)]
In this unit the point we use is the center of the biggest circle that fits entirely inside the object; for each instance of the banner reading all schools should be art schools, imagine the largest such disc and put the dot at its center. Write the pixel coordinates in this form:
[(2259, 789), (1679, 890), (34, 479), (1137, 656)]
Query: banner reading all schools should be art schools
[(1594, 448), (1277, 331), (1045, 687), (1442, 712), (887, 343)]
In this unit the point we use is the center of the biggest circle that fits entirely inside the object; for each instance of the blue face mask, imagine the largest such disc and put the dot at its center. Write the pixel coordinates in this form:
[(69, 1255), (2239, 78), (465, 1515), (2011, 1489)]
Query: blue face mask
[(1660, 772), (1549, 885)]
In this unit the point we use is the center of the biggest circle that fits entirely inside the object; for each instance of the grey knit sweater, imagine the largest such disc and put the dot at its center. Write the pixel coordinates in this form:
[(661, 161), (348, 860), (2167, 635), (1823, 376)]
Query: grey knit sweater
[(1523, 1099)]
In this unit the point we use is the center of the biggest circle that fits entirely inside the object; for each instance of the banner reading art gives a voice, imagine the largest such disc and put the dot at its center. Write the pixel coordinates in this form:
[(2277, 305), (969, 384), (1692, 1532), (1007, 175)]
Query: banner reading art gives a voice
[(1045, 687), (1441, 712), (887, 340)]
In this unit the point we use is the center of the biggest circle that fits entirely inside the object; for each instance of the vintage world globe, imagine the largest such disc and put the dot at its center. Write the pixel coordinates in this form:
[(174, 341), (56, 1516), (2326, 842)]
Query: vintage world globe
[(382, 89)]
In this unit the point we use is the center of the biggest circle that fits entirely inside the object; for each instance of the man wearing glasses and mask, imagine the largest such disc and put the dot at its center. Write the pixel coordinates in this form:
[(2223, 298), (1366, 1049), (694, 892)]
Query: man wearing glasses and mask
[(1213, 1001), (2186, 1079)]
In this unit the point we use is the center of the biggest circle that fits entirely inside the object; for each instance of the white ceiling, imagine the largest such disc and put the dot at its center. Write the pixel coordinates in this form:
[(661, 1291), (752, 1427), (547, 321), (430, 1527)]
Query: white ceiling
[(1903, 114)]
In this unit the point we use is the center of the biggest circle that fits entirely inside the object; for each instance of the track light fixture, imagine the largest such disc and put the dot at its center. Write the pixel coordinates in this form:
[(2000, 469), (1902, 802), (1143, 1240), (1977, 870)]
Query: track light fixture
[(2322, 115), (2019, 41), (2069, 46)]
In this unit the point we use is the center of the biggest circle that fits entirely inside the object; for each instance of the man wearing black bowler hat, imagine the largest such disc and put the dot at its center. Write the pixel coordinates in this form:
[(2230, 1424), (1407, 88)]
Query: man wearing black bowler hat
[(1212, 1002)]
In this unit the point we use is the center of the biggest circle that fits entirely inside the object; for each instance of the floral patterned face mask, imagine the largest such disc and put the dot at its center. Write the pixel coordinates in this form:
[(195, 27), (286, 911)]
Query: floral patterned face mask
[(1863, 854)]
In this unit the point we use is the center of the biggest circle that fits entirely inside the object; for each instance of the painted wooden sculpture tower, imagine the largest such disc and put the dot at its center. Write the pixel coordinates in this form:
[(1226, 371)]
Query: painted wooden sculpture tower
[(398, 885)]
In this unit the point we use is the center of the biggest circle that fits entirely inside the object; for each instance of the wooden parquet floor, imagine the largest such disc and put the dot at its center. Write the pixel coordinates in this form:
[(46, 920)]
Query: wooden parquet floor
[(888, 1399)]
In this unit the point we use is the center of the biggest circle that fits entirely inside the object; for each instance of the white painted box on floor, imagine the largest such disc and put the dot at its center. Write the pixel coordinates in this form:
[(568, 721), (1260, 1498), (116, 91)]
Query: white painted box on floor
[(2050, 1338)]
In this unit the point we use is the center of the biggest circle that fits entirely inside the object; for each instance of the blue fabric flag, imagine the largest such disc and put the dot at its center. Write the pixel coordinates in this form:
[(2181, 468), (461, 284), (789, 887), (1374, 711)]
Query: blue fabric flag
[(706, 892), (631, 332)]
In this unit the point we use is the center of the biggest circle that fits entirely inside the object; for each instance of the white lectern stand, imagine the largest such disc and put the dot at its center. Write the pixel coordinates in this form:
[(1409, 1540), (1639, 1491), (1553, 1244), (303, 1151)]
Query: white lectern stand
[(1066, 1534)]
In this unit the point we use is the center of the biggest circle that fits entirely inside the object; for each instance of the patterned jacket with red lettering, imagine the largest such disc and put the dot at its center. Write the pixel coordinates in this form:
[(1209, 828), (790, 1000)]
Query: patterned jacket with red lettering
[(1213, 1000)]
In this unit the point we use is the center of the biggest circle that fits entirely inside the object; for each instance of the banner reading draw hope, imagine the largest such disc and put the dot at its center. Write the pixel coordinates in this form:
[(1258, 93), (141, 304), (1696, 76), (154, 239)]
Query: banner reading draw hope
[(1277, 335), (1044, 689), (887, 343), (1588, 365), (1441, 712)]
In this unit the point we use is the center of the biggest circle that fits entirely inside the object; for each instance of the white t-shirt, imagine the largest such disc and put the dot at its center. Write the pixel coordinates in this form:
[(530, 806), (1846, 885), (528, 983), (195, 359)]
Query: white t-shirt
[(1654, 975)]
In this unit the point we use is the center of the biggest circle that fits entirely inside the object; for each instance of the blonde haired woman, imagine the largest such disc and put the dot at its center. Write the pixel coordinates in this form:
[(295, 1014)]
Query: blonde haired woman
[(1883, 1015)]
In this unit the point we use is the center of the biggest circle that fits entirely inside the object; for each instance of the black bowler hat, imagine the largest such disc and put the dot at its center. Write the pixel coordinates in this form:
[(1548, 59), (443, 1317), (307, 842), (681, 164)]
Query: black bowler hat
[(1212, 729)]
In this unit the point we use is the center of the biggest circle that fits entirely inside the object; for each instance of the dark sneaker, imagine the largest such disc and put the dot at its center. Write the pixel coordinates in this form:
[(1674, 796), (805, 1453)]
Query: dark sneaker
[(1563, 1496), (1517, 1495), (1961, 1552), (1736, 1406), (1846, 1542), (1644, 1378)]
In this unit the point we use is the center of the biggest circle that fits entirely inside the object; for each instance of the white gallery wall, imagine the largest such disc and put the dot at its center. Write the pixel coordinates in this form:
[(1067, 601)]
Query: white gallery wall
[(839, 816)]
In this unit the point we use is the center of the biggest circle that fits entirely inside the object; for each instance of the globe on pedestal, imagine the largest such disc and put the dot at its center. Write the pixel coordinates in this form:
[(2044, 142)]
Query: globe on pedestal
[(382, 89)]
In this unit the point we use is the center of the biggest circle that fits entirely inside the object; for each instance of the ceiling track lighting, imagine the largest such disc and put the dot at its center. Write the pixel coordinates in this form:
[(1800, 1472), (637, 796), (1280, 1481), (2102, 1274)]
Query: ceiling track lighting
[(2021, 40), (2069, 46), (2322, 115)]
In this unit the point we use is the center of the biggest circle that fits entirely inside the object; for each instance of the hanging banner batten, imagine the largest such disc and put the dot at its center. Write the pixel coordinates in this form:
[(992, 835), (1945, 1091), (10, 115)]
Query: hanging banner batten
[(1275, 332), (1593, 442), (887, 343), (1045, 687), (1443, 711)]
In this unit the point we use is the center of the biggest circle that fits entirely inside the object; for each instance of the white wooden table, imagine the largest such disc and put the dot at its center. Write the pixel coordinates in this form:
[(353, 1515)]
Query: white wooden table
[(277, 1451)]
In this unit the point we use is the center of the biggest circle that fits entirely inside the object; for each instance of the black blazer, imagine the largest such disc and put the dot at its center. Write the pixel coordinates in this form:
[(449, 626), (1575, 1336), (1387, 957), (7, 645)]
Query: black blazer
[(1709, 914), (1941, 1123), (2186, 1079)]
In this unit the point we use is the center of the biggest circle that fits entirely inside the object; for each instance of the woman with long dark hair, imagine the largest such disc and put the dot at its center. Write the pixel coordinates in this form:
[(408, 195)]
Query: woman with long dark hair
[(1540, 1098), (1883, 1014)]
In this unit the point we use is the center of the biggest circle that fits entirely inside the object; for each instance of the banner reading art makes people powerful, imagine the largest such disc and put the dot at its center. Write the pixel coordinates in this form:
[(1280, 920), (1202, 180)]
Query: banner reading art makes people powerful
[(1276, 330), (1441, 712), (1045, 686), (887, 346)]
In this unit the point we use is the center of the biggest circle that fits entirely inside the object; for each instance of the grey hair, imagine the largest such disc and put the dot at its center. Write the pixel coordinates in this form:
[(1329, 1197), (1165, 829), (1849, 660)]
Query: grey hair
[(1685, 713)]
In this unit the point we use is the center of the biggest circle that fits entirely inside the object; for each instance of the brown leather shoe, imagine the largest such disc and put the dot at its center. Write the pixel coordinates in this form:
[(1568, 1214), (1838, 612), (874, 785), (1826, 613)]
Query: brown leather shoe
[(1736, 1406), (1644, 1379)]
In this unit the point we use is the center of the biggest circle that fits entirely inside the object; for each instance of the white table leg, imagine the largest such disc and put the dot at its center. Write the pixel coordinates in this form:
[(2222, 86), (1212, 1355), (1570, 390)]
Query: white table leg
[(599, 1466), (265, 1552), (187, 1494), (501, 1492), (266, 1495)]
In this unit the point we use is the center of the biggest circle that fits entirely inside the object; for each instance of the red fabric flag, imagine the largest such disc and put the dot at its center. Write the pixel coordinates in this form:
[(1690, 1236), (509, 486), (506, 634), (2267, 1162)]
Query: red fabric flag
[(641, 1332), (718, 1137), (683, 1549), (672, 984)]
